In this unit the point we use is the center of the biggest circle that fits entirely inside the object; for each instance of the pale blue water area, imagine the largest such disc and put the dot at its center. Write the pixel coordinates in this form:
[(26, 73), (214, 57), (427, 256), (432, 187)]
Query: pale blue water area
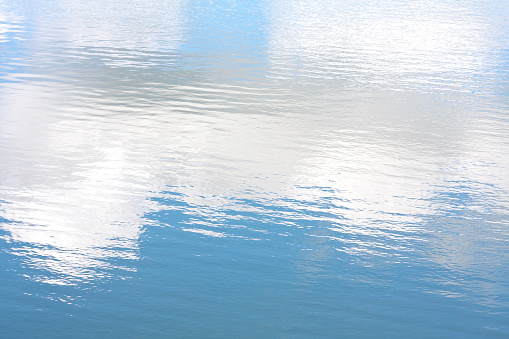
[(253, 169)]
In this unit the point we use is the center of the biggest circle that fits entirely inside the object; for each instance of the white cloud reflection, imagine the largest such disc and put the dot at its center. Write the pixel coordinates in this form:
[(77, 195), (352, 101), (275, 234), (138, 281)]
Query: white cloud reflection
[(73, 201), (82, 157), (149, 25), (386, 160), (70, 188), (398, 45)]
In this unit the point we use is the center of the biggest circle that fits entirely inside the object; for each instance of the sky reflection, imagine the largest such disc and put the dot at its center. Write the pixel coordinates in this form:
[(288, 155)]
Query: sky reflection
[(121, 122), (397, 45)]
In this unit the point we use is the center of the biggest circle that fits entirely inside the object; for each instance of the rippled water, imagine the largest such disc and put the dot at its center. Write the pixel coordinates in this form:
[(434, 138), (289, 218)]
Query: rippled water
[(173, 168)]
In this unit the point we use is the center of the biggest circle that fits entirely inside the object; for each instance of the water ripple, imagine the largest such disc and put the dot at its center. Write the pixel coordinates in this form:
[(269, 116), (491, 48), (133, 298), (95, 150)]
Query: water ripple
[(338, 160)]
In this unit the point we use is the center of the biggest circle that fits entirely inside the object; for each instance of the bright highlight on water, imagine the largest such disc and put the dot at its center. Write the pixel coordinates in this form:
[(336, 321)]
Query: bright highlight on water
[(253, 169)]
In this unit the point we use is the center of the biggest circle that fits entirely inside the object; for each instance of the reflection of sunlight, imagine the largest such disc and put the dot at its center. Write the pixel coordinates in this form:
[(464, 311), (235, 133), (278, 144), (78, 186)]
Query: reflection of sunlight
[(410, 44), (78, 204)]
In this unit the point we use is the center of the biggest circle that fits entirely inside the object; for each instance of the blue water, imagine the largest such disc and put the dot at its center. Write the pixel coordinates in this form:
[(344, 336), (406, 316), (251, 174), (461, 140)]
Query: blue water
[(252, 169)]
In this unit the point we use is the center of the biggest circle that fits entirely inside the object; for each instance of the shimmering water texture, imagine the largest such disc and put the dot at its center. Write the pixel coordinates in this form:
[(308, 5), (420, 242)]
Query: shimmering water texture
[(253, 169)]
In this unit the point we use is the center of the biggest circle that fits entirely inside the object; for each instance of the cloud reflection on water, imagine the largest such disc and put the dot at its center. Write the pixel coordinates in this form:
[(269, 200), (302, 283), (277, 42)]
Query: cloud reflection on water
[(341, 171), (72, 194), (387, 161), (398, 45)]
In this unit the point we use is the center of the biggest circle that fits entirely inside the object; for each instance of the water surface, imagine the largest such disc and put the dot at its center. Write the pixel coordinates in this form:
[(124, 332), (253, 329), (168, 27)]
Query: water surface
[(173, 168)]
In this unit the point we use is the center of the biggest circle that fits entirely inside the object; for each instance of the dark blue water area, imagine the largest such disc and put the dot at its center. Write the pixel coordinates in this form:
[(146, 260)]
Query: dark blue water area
[(187, 284), (198, 297)]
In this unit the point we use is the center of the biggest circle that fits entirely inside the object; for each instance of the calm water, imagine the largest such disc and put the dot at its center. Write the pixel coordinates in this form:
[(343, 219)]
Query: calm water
[(252, 169)]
